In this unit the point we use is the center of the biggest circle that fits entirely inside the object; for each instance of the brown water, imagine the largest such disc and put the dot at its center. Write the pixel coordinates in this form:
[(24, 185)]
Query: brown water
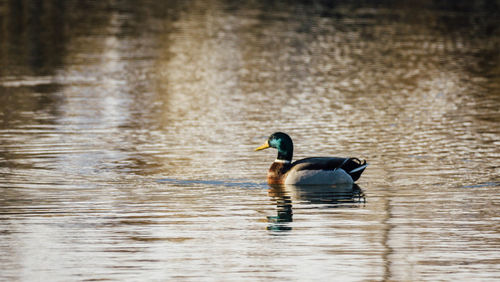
[(127, 132)]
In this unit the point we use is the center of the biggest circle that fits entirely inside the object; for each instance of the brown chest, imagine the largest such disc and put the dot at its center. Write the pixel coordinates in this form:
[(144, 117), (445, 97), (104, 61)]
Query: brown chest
[(277, 173)]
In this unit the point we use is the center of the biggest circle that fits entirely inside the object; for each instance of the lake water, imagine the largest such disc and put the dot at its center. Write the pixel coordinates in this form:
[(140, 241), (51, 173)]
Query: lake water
[(127, 132)]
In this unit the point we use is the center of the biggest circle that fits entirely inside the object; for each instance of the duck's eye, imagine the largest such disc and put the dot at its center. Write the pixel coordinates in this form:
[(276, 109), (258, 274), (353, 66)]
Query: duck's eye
[(275, 143)]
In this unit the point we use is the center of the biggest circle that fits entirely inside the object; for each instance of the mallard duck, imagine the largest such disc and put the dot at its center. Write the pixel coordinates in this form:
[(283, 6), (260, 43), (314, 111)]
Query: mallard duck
[(309, 171)]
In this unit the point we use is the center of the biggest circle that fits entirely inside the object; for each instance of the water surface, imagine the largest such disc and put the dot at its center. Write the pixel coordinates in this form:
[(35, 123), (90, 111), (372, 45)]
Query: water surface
[(127, 134)]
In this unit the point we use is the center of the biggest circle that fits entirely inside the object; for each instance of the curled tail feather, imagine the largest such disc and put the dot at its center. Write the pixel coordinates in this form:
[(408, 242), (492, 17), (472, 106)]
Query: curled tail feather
[(354, 167)]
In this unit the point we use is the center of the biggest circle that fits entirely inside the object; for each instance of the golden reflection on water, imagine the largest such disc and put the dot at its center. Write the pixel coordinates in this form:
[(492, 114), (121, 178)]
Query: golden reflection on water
[(126, 137)]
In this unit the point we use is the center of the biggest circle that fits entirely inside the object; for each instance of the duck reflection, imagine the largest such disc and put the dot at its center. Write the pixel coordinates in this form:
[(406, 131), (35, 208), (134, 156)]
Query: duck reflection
[(347, 195)]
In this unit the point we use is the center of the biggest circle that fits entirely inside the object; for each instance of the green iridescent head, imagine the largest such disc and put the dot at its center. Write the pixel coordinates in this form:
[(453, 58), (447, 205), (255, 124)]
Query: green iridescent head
[(281, 142)]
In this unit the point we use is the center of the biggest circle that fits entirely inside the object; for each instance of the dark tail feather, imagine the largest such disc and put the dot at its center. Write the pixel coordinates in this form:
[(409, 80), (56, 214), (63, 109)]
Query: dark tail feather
[(354, 167)]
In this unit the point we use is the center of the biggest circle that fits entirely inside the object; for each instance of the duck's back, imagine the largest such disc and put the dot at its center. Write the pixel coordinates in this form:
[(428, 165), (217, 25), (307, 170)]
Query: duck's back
[(325, 171)]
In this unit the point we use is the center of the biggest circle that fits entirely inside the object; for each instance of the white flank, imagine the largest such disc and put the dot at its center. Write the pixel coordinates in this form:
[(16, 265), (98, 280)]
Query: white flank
[(318, 177)]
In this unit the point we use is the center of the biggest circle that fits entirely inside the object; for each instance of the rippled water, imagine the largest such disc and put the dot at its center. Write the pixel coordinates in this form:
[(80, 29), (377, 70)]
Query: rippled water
[(127, 133)]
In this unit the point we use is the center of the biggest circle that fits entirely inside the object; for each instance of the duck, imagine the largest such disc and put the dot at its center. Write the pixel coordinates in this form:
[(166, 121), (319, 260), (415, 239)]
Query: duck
[(309, 171)]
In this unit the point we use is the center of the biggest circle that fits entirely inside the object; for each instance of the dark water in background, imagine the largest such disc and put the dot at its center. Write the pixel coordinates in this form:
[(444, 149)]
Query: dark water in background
[(127, 132)]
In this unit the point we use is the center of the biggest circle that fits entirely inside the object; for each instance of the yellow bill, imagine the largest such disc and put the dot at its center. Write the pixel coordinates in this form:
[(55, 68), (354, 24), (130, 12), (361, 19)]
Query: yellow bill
[(264, 146)]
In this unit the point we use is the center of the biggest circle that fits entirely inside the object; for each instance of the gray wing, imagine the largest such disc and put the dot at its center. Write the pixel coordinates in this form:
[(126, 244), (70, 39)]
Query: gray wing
[(353, 166), (320, 163)]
